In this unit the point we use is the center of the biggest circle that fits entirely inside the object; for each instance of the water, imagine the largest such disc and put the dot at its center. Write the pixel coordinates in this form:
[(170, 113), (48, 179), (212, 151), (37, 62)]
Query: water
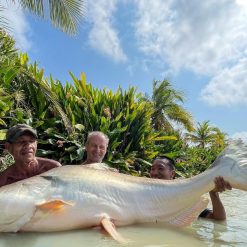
[(202, 233)]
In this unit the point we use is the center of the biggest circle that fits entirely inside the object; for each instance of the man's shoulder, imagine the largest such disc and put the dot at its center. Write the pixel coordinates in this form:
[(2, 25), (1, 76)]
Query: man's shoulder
[(4, 175), (7, 171), (48, 163)]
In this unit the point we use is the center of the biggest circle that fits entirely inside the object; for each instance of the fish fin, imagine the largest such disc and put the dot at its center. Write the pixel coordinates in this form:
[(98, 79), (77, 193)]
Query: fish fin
[(190, 214), (54, 205), (110, 228)]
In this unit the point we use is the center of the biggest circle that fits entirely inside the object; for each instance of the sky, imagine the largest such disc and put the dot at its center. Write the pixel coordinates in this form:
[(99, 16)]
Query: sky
[(199, 46)]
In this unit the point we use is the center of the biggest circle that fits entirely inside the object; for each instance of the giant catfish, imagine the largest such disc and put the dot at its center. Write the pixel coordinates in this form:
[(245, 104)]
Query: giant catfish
[(73, 197)]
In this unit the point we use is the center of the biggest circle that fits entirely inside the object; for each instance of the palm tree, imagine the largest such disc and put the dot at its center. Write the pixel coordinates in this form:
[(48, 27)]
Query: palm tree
[(3, 20), (168, 109), (207, 135), (64, 14), (220, 138)]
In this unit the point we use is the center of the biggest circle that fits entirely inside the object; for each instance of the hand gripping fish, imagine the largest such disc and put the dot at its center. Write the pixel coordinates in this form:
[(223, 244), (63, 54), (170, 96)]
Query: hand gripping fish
[(74, 197)]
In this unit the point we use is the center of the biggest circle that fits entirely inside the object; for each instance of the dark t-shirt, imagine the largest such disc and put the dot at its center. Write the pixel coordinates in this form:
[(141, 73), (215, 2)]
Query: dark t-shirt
[(205, 213), (12, 174)]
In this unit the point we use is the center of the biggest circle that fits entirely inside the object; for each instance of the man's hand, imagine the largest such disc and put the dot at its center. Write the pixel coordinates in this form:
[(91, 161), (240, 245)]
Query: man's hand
[(221, 185)]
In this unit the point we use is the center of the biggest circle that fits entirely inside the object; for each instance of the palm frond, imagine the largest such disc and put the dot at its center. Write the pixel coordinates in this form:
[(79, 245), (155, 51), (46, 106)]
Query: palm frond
[(4, 23), (64, 14), (167, 103)]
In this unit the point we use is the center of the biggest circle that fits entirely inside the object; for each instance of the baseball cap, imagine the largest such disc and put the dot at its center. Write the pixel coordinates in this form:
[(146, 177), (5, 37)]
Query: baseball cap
[(19, 130)]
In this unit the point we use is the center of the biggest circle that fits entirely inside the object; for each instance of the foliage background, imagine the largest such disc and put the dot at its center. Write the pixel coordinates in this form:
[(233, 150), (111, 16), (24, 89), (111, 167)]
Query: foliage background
[(139, 127)]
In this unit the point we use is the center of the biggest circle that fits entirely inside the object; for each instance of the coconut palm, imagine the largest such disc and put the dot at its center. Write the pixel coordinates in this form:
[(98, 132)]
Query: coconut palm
[(64, 14), (205, 134), (168, 109), (3, 20), (220, 138)]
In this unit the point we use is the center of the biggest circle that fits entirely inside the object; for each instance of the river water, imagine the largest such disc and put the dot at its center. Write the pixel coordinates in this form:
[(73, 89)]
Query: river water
[(203, 232)]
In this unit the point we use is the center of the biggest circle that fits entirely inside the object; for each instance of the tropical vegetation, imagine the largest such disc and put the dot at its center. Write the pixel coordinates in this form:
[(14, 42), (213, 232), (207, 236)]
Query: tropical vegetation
[(206, 135), (168, 109), (139, 127)]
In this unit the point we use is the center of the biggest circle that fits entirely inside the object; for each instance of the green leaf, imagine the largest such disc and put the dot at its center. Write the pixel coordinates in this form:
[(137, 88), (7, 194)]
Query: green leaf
[(3, 134), (46, 152), (80, 127), (80, 153), (164, 138), (10, 75), (70, 149)]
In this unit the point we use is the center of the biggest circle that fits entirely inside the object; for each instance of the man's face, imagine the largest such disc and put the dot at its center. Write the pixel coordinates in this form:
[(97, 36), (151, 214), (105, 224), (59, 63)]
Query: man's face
[(96, 149), (161, 170), (23, 149)]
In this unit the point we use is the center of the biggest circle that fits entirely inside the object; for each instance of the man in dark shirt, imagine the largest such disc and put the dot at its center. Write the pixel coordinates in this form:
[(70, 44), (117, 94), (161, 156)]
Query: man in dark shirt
[(164, 168), (21, 142)]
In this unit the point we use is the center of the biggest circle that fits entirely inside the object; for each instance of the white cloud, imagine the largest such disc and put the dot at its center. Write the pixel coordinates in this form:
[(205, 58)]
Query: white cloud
[(240, 135), (205, 37), (19, 27), (202, 36), (242, 3), (103, 37), (229, 87)]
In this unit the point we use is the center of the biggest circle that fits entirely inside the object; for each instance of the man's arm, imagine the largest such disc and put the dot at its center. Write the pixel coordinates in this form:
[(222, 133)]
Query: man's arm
[(218, 212), (48, 163)]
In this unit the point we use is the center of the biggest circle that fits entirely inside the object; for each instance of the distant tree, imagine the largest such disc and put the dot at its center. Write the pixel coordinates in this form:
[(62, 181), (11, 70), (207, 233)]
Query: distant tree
[(168, 109), (205, 134), (220, 138), (194, 160)]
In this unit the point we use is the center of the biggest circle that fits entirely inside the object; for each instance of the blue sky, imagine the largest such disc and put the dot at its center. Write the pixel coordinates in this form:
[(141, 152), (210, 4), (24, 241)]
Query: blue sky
[(199, 46)]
